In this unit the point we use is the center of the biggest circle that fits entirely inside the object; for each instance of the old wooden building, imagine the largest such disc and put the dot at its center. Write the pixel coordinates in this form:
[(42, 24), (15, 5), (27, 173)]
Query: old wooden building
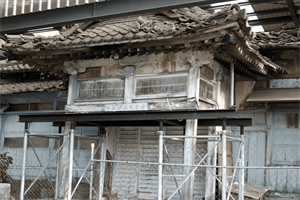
[(184, 59)]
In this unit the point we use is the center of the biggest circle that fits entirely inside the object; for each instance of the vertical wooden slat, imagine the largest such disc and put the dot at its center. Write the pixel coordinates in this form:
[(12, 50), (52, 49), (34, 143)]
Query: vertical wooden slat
[(15, 7), (23, 7), (77, 2), (58, 4), (6, 8), (31, 5), (67, 3)]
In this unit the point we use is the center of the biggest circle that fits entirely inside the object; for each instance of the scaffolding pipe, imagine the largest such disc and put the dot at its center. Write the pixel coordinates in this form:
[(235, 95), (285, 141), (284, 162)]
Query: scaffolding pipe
[(160, 167), (224, 164), (49, 4), (40, 5), (231, 85), (15, 7), (241, 171), (92, 168), (57, 166), (31, 6), (192, 136), (71, 136), (102, 168), (23, 7), (6, 8), (25, 143)]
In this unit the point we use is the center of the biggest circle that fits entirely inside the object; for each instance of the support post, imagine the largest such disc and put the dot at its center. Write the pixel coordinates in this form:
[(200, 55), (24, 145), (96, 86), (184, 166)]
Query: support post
[(64, 165), (128, 84), (231, 85), (25, 144), (241, 164), (224, 160), (160, 167), (71, 149), (92, 171), (102, 168), (57, 166), (189, 157), (73, 90)]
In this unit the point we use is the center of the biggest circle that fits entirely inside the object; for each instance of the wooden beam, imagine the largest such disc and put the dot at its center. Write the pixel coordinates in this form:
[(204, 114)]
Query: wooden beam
[(294, 15)]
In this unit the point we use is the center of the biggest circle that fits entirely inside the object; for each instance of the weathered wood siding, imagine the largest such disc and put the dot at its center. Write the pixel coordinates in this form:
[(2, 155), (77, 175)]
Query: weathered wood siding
[(140, 181), (149, 82)]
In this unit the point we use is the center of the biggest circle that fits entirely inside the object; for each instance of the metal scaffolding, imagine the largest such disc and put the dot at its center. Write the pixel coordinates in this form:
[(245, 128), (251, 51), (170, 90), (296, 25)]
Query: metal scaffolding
[(71, 137)]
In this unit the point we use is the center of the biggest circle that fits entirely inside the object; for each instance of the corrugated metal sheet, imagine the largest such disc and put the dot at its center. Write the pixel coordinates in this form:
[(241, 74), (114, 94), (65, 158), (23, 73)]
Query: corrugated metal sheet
[(255, 151), (275, 95)]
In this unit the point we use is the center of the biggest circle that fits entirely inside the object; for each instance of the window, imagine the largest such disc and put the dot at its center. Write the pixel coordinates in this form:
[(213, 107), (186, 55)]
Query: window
[(206, 90), (101, 89), (292, 120), (164, 85)]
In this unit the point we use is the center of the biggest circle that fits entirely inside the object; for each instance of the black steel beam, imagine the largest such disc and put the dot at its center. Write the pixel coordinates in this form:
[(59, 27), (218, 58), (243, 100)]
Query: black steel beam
[(92, 12), (253, 2), (293, 13), (268, 21), (201, 122), (267, 12), (134, 116), (229, 122)]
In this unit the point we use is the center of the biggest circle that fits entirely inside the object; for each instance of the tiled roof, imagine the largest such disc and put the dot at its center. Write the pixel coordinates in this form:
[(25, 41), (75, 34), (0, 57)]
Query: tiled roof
[(1, 43), (14, 66), (172, 24), (276, 39), (181, 22), (31, 87)]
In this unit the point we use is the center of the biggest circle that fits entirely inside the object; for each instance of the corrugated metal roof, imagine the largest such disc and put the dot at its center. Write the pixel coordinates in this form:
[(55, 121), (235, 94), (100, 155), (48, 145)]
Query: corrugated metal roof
[(275, 95)]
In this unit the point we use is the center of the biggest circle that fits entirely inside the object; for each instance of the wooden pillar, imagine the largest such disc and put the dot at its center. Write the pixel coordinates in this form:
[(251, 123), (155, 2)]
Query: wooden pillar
[(189, 157), (64, 165), (128, 84), (72, 90)]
